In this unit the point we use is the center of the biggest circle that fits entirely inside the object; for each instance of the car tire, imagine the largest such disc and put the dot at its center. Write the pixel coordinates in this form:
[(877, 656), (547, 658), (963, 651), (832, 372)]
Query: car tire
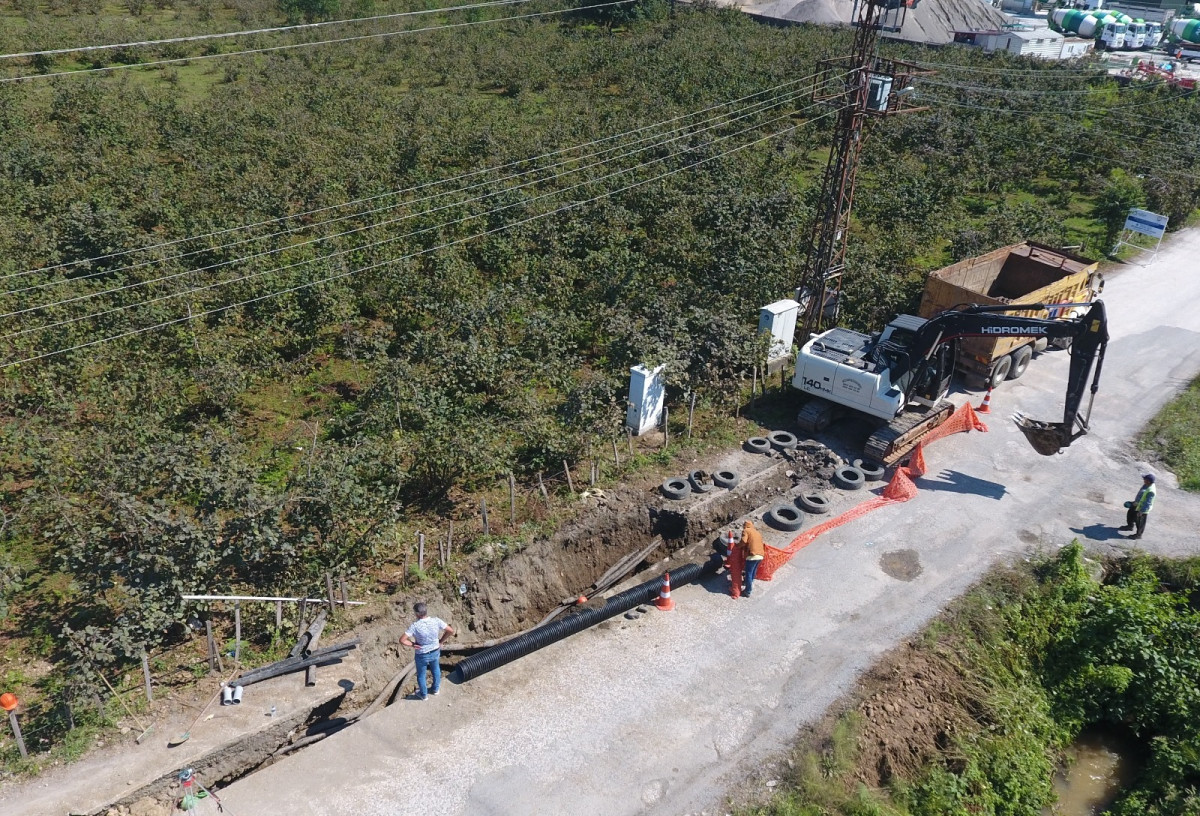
[(871, 471), (1000, 371), (784, 517), (758, 444), (727, 479), (783, 440), (848, 477), (676, 489), (1020, 362), (697, 480), (816, 503)]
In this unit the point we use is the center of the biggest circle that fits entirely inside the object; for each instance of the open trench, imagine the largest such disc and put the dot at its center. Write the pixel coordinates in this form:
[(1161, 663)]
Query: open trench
[(511, 595)]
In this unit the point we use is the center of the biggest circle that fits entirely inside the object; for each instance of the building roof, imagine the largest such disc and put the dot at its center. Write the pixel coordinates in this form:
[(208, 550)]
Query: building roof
[(1038, 34)]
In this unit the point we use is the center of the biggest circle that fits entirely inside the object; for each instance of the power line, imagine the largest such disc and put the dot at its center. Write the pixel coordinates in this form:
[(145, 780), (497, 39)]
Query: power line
[(724, 121), (269, 49), (445, 245), (366, 200), (276, 30)]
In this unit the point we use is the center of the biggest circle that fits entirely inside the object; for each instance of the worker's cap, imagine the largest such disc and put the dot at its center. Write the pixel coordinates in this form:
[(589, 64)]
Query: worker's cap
[(1149, 477)]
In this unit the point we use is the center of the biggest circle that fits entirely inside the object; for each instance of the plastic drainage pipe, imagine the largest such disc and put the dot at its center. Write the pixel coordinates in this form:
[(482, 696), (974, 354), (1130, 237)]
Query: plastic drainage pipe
[(555, 631)]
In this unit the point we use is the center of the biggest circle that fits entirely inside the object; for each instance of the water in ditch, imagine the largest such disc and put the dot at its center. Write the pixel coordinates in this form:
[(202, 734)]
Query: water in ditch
[(1101, 764)]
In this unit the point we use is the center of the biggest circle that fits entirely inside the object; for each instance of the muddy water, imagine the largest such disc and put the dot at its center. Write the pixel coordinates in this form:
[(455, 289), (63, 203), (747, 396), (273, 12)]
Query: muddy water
[(1101, 764)]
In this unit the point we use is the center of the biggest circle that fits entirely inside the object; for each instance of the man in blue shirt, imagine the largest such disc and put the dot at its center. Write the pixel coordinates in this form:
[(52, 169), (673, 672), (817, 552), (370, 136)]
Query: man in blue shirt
[(426, 635)]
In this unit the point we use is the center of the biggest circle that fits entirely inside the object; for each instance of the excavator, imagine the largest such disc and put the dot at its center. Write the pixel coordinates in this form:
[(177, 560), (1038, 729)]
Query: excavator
[(902, 374)]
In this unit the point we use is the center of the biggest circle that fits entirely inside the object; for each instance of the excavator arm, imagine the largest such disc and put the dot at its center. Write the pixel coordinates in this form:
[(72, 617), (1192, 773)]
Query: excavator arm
[(1089, 339)]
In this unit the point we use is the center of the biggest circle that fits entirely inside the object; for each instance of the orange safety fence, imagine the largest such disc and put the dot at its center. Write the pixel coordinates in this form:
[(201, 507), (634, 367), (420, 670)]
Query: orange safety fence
[(900, 489)]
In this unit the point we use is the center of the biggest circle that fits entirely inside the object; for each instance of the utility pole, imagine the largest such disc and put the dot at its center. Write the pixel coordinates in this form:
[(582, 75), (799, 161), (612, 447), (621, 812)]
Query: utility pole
[(861, 84)]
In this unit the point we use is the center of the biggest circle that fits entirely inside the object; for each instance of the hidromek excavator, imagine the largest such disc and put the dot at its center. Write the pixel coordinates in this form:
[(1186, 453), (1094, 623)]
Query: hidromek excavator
[(902, 374)]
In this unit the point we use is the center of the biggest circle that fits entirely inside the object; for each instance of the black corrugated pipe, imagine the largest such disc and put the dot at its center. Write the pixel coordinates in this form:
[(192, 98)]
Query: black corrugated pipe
[(555, 631)]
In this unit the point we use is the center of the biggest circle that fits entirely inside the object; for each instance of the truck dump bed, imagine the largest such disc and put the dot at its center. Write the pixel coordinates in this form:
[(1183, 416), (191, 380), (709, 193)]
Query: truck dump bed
[(1022, 273)]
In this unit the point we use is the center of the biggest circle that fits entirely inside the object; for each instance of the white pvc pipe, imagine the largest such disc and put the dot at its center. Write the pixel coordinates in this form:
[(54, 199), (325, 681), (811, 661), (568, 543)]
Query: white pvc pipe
[(262, 598)]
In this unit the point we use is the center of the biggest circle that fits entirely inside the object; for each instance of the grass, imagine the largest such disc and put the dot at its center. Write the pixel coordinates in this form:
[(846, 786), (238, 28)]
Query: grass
[(1174, 436)]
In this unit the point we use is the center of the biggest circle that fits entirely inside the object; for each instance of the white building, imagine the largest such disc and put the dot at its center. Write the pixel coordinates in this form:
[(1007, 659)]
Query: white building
[(1044, 43)]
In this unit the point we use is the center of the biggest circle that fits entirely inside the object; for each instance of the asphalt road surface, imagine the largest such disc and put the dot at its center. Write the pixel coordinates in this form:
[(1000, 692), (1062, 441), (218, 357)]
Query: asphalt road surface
[(664, 714)]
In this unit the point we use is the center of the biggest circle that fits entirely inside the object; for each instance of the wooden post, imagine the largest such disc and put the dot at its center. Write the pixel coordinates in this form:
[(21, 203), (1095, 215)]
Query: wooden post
[(146, 676), (300, 624), (691, 411), (483, 512), (450, 540), (512, 499), (592, 479), (616, 456), (421, 552), (278, 615), (329, 592), (16, 729), (342, 587), (443, 554), (629, 439), (567, 470), (666, 427), (754, 387), (212, 646), (542, 487), (237, 631)]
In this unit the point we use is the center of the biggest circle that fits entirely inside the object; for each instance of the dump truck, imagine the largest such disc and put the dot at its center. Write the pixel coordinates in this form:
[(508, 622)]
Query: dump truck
[(1027, 272)]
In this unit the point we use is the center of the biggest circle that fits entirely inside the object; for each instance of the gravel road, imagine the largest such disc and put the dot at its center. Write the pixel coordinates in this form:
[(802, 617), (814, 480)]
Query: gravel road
[(663, 714)]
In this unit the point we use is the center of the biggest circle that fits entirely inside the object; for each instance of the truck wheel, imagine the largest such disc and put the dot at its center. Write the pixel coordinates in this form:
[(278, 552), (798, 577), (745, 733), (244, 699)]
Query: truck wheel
[(675, 489), (849, 478), (727, 479), (1000, 371), (871, 471), (784, 517), (783, 440), (1040, 345), (1021, 358), (758, 444), (813, 502)]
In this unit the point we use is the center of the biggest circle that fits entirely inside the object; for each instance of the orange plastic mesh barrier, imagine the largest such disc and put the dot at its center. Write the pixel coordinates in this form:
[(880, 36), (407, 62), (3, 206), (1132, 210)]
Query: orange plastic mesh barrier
[(734, 563), (900, 489)]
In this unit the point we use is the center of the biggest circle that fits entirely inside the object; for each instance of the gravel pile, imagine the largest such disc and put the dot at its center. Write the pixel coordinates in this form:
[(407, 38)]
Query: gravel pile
[(929, 21)]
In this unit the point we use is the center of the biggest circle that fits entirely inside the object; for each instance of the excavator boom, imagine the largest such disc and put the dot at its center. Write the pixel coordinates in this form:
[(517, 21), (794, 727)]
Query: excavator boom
[(1089, 339)]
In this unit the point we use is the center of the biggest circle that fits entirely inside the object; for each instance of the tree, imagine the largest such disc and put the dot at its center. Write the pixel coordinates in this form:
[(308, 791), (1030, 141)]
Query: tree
[(1120, 193), (309, 10)]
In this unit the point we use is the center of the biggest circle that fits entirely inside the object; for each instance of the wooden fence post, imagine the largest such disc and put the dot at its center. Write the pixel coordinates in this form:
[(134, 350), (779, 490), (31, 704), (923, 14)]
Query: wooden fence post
[(421, 552), (691, 412), (666, 427), (278, 615), (567, 470), (329, 592), (16, 729), (450, 540), (212, 646), (345, 595), (512, 500), (237, 630), (483, 512), (754, 388), (616, 456), (542, 487), (629, 439), (146, 676)]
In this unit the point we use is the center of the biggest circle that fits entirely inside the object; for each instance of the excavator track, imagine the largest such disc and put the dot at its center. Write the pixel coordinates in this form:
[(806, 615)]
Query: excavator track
[(892, 442)]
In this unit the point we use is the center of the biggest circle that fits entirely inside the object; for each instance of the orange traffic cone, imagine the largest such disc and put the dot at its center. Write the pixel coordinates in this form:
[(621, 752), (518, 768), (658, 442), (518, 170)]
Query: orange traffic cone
[(987, 401), (664, 601)]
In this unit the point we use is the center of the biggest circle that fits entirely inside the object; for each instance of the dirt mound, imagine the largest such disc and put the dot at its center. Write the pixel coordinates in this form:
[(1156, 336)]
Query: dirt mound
[(912, 704)]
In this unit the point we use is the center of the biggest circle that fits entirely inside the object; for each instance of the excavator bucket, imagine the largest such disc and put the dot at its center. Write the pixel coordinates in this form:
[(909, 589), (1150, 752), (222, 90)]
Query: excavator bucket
[(1047, 438)]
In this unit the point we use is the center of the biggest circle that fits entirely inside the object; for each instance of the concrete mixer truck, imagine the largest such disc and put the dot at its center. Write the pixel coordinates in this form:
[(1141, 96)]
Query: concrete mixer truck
[(1098, 24), (1185, 39)]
